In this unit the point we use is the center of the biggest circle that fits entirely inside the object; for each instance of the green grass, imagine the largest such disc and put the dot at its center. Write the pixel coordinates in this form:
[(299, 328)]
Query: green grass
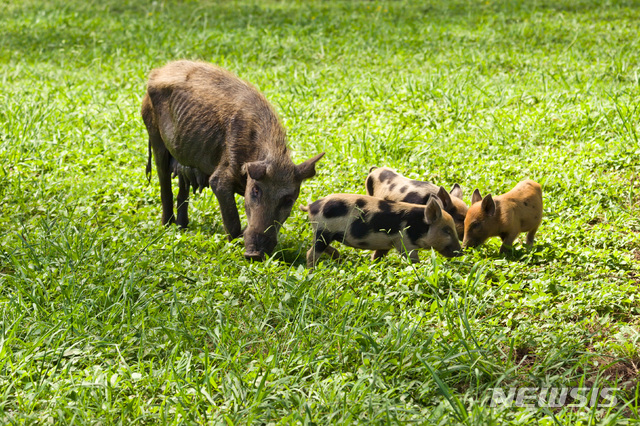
[(106, 317)]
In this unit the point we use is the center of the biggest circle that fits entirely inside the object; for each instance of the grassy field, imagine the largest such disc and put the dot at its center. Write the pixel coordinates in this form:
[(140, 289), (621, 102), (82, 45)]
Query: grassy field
[(108, 318)]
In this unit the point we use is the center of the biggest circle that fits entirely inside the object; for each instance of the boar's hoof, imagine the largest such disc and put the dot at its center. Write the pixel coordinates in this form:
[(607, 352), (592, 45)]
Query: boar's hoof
[(255, 256)]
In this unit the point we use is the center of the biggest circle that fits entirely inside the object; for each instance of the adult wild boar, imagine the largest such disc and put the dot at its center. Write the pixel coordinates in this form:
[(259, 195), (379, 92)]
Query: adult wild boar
[(220, 128)]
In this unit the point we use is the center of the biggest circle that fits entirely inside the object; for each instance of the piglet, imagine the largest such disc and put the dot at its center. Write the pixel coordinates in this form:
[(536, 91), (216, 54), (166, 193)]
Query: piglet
[(504, 216), (386, 183), (366, 222)]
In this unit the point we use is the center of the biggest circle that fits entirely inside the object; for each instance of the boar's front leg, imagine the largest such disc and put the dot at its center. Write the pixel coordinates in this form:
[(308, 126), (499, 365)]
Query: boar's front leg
[(223, 189), (183, 202)]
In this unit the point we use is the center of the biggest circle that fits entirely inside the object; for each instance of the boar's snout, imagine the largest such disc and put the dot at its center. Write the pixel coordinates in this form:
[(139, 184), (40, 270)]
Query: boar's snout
[(257, 244), (254, 256), (453, 250)]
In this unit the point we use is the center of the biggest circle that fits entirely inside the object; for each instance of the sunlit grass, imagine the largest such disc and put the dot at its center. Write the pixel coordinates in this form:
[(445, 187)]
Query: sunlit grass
[(106, 316)]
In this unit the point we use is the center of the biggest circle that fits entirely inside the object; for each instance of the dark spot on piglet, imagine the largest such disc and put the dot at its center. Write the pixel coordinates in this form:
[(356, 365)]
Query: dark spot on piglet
[(359, 228), (420, 184), (414, 198), (361, 202), (384, 206), (417, 227), (385, 221), (392, 186), (386, 175), (335, 208), (403, 189)]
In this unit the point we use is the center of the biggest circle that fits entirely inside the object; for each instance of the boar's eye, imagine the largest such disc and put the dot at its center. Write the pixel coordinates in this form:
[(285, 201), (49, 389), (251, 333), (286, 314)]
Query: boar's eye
[(255, 192)]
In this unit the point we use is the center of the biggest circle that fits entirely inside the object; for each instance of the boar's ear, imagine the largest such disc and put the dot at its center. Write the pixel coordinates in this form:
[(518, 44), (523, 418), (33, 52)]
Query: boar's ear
[(432, 212), (307, 169), (444, 197), (488, 205), (456, 191), (476, 197), (256, 170)]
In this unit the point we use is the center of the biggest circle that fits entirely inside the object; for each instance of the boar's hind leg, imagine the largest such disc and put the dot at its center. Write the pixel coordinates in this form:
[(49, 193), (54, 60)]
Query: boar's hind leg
[(163, 159), (183, 202), (226, 199)]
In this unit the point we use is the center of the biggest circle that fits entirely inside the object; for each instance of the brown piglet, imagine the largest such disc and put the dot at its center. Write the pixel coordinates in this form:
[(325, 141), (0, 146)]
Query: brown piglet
[(504, 216)]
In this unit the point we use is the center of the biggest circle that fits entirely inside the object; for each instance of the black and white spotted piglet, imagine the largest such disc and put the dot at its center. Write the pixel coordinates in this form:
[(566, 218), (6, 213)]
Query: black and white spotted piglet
[(366, 222), (386, 183)]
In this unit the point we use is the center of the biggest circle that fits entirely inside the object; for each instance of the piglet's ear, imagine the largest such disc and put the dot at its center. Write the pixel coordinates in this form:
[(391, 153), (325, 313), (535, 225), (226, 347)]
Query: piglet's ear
[(432, 212), (476, 197), (307, 169), (456, 191), (444, 197), (256, 170), (488, 205)]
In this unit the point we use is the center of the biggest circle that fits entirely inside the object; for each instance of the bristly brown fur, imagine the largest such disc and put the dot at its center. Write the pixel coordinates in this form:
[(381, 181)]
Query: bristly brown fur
[(204, 122)]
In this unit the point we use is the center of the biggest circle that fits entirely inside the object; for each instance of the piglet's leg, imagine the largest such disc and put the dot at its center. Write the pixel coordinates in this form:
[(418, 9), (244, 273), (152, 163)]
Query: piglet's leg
[(321, 244), (507, 242), (377, 254), (408, 251), (332, 252), (414, 256), (530, 236)]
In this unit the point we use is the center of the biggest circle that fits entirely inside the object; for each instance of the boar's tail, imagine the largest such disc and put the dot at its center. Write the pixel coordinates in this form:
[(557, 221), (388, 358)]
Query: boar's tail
[(148, 169), (372, 168), (304, 208)]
